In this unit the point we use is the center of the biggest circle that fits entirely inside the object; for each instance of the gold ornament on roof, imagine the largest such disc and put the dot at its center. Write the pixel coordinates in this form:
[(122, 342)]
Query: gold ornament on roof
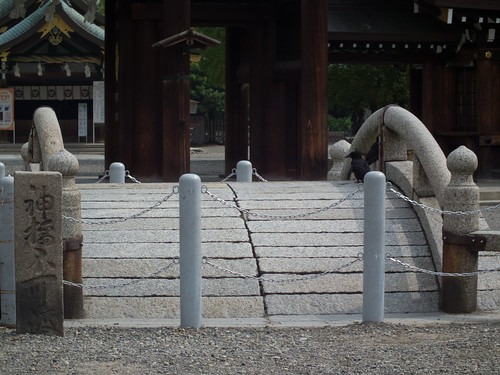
[(4, 55), (55, 30)]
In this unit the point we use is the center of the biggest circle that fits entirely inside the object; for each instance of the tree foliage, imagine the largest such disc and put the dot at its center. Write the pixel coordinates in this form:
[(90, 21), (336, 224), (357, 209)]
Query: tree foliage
[(207, 76), (353, 89)]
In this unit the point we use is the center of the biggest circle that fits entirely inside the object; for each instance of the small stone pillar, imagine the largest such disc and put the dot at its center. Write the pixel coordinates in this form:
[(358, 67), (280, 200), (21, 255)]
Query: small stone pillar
[(338, 152), (7, 263), (38, 253), (460, 251)]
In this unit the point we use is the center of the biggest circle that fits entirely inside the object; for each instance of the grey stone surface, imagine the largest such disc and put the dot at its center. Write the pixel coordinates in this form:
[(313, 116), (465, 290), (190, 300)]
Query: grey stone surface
[(168, 307), (314, 265), (334, 251), (155, 287), (345, 283), (138, 268), (303, 304), (160, 250), (38, 248)]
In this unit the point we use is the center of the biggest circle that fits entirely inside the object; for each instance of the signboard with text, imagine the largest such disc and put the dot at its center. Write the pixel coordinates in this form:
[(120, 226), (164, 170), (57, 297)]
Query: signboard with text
[(98, 104), (82, 119), (6, 109)]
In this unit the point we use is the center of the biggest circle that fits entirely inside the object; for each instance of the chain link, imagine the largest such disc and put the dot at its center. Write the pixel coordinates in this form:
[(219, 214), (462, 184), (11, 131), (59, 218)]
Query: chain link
[(246, 211), (174, 191), (286, 280), (128, 175), (233, 173), (127, 283), (438, 210), (105, 176), (437, 273), (254, 172)]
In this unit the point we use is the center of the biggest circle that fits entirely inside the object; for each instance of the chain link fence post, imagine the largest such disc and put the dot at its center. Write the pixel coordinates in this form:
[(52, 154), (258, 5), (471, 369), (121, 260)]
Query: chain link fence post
[(7, 262), (190, 258), (460, 255), (374, 247)]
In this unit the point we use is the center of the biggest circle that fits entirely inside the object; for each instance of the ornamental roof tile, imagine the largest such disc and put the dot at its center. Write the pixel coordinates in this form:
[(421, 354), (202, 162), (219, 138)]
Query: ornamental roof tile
[(30, 24)]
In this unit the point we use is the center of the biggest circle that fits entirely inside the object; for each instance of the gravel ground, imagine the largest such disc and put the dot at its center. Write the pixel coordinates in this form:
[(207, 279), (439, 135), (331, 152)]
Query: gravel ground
[(382, 348)]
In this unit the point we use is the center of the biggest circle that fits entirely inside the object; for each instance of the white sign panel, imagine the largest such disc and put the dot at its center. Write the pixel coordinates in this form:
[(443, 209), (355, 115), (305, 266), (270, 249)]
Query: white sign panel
[(98, 94), (6, 109), (82, 119)]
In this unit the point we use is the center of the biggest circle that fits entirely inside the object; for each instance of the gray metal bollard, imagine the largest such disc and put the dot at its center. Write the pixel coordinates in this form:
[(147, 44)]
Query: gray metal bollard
[(7, 258), (190, 250), (374, 247), (117, 173), (244, 171)]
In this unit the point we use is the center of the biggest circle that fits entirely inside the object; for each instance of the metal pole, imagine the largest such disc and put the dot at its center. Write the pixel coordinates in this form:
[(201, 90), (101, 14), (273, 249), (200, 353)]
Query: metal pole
[(190, 250), (244, 171), (7, 262), (117, 173), (374, 247)]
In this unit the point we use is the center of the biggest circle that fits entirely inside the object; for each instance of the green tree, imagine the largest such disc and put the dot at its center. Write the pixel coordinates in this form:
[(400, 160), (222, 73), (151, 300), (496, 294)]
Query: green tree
[(355, 88), (212, 59), (209, 97), (207, 76)]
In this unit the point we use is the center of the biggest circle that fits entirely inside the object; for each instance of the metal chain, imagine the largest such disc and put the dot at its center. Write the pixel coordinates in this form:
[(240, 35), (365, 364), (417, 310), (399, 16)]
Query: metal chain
[(233, 173), (438, 210), (246, 211), (175, 190), (437, 273), (127, 283), (105, 176), (254, 172), (127, 174), (287, 280)]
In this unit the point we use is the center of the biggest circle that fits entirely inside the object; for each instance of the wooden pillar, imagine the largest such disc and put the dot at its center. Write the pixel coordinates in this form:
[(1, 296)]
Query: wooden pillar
[(125, 98), (133, 90), (313, 130), (488, 113), (237, 101), (146, 129), (427, 95), (261, 49), (111, 129), (176, 92)]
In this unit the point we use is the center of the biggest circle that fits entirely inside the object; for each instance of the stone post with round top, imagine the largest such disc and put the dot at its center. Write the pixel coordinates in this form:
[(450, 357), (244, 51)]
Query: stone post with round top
[(460, 249)]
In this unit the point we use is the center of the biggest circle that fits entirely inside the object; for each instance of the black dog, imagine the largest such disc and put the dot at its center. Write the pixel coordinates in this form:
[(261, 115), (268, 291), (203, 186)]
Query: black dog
[(358, 165)]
